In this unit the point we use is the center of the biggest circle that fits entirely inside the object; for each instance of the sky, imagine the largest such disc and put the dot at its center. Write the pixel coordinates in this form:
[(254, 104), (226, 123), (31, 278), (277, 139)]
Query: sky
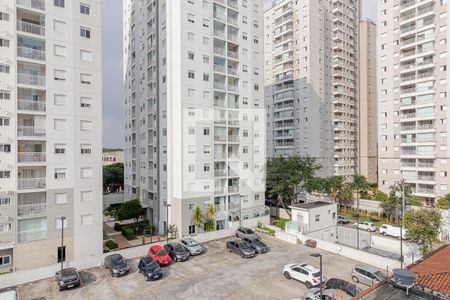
[(113, 103)]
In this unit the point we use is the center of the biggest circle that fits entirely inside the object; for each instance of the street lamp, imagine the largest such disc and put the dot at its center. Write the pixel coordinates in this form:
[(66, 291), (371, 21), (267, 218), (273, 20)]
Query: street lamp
[(167, 205), (320, 257), (62, 242)]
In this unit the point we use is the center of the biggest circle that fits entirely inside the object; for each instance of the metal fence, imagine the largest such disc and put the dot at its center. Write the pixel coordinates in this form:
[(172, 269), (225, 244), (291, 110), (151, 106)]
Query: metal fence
[(348, 237)]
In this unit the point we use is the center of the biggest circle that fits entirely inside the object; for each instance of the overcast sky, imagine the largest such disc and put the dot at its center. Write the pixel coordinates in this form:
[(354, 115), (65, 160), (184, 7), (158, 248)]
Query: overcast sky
[(113, 115)]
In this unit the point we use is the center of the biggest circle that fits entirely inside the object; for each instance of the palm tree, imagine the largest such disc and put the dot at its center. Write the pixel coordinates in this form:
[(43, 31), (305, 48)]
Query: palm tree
[(197, 217), (210, 215)]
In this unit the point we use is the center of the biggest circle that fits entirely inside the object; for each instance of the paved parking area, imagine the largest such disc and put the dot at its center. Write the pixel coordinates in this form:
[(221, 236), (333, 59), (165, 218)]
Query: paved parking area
[(216, 274)]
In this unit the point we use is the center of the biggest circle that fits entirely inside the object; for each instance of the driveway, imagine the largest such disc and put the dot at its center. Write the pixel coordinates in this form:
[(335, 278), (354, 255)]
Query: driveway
[(216, 274)]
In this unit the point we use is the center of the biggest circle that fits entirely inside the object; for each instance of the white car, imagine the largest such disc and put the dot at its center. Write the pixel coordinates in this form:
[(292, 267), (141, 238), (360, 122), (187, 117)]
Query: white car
[(305, 273), (366, 226), (393, 230)]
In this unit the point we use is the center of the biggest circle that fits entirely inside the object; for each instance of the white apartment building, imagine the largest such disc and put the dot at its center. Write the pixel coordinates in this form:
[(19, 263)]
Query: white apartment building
[(413, 92), (50, 131), (194, 110), (311, 81)]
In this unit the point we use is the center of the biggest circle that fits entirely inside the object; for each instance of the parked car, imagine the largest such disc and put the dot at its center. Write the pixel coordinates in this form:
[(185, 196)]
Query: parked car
[(192, 246), (305, 273), (366, 226), (327, 294), (339, 284), (256, 244), (160, 255), (67, 278), (177, 252), (367, 275), (10, 294), (241, 248), (117, 265), (243, 232), (342, 219), (393, 230), (149, 268)]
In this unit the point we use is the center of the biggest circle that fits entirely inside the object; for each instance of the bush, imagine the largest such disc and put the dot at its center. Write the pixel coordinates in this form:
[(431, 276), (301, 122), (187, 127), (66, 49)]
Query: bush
[(110, 244), (128, 233), (117, 227), (281, 223), (375, 219)]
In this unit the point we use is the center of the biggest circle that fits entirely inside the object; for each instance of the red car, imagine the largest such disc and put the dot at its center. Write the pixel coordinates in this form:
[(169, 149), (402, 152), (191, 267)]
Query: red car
[(159, 255)]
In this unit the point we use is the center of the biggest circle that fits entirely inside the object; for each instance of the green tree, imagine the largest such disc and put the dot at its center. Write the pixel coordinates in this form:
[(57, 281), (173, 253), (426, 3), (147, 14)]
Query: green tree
[(286, 178), (443, 202), (423, 227), (197, 217), (344, 195), (210, 216), (380, 196), (113, 177), (130, 210), (390, 206)]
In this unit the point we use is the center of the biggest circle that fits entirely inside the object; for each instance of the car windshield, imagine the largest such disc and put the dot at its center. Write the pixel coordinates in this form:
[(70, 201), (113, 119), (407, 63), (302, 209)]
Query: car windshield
[(258, 243), (161, 253), (68, 272), (317, 274), (178, 247), (249, 231), (151, 266), (380, 274), (244, 246), (117, 259), (192, 243)]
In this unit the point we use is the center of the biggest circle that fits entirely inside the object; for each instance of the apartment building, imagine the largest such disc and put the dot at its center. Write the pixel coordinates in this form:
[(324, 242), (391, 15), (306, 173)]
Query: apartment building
[(311, 82), (413, 92), (50, 132), (368, 133), (193, 74)]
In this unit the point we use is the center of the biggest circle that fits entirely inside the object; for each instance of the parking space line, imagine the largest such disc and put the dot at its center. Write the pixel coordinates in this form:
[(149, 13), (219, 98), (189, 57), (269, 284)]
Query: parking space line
[(84, 289), (112, 284)]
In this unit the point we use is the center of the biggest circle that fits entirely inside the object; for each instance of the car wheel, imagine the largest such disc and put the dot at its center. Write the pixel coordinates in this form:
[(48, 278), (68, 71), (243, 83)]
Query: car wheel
[(147, 278), (308, 284), (228, 248), (112, 273), (354, 226), (384, 233), (242, 255), (355, 279), (61, 288), (237, 235), (287, 275), (368, 229)]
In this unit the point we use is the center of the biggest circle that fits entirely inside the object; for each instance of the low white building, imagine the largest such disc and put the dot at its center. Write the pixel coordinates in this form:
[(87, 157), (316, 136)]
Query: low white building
[(316, 219)]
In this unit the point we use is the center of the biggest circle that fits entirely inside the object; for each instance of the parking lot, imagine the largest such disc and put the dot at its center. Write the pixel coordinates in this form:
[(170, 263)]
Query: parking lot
[(216, 274)]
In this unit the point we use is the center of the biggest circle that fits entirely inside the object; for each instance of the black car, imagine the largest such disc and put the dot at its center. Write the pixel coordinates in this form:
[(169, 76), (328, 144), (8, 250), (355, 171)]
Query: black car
[(256, 244), (241, 248), (339, 284), (67, 278), (149, 268), (117, 265), (177, 252)]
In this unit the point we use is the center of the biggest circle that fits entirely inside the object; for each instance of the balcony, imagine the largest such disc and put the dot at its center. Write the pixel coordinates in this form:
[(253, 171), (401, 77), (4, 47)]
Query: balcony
[(28, 79), (233, 138), (30, 105), (31, 183), (233, 189), (32, 235), (30, 28), (35, 4), (30, 53), (31, 209), (220, 172), (31, 157), (30, 131), (220, 138)]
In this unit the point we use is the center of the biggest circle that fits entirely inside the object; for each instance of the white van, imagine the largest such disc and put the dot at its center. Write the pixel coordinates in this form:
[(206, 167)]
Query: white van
[(393, 230)]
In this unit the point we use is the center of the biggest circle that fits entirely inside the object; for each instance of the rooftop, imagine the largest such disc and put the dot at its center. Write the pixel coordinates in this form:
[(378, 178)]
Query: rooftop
[(313, 204)]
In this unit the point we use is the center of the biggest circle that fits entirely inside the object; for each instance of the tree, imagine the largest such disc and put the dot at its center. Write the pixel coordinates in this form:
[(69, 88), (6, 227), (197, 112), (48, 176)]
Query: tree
[(130, 210), (210, 216), (344, 195), (390, 206), (443, 202), (197, 217), (286, 178), (113, 177), (380, 196), (423, 227)]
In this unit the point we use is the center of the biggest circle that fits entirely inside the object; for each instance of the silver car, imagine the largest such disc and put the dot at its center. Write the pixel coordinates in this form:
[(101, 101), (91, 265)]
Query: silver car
[(244, 232), (192, 246), (367, 275)]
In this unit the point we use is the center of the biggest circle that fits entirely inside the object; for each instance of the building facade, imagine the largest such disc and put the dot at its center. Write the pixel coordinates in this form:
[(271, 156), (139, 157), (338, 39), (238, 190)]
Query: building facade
[(50, 132), (311, 82), (367, 133), (413, 91), (110, 157), (194, 110)]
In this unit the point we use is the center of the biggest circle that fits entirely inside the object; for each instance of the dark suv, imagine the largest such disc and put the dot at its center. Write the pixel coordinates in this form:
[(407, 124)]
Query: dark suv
[(67, 278), (177, 252), (241, 248), (256, 244), (117, 265), (149, 268)]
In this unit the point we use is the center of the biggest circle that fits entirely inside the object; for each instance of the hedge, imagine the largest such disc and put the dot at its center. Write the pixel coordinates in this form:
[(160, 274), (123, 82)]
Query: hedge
[(110, 244), (128, 233)]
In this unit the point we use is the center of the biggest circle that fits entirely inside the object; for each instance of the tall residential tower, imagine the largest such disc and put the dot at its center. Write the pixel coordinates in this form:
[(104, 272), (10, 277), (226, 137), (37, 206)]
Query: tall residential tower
[(50, 131), (194, 109), (413, 46)]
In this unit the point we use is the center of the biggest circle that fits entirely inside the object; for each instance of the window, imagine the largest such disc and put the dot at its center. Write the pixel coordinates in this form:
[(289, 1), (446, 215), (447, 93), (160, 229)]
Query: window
[(205, 131), (86, 196), (60, 173), (85, 9), (86, 78), (86, 102), (206, 167), (59, 26), (86, 149), (86, 55), (4, 16), (59, 3), (60, 198), (60, 100), (4, 121), (5, 200), (317, 218), (190, 18), (59, 75), (59, 124), (191, 168), (191, 229), (6, 259), (60, 223), (4, 68), (85, 125), (5, 95), (191, 55), (85, 32), (60, 148), (206, 59), (86, 172), (205, 77), (59, 50), (206, 149), (191, 74), (6, 148), (4, 43), (86, 220)]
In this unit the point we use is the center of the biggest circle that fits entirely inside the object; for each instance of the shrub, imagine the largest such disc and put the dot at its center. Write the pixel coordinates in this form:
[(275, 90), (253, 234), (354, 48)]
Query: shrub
[(117, 227), (375, 218), (128, 233), (281, 223), (110, 244)]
